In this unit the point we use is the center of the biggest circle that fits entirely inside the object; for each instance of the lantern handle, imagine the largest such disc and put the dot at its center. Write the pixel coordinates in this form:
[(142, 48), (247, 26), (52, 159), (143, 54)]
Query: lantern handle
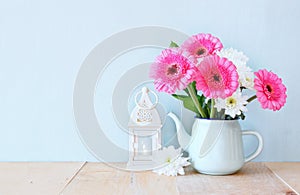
[(145, 90)]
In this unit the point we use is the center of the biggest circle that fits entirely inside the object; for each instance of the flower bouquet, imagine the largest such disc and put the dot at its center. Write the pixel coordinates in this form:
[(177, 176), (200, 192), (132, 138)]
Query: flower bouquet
[(214, 83), (214, 79)]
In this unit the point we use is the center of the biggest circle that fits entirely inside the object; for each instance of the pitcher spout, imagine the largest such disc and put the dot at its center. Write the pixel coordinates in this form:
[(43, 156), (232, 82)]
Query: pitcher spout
[(183, 137)]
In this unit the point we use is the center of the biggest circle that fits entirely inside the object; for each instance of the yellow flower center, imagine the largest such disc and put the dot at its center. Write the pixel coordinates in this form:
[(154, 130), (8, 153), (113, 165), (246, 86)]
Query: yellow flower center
[(231, 102), (168, 160), (248, 79)]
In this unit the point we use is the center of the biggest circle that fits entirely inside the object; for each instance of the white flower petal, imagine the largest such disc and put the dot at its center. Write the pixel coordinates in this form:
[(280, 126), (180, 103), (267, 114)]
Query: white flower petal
[(237, 57), (174, 167), (219, 104), (239, 60), (235, 104)]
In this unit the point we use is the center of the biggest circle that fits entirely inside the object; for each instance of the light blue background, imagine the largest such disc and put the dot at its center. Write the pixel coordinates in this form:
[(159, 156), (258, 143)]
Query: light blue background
[(42, 45)]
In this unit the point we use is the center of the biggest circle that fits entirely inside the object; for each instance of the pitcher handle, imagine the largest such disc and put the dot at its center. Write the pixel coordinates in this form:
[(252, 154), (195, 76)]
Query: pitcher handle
[(259, 147)]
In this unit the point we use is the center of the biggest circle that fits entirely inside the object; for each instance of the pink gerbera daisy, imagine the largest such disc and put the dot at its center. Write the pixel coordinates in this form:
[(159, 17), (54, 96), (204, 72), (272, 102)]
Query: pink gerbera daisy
[(270, 91), (201, 45), (172, 71), (217, 78)]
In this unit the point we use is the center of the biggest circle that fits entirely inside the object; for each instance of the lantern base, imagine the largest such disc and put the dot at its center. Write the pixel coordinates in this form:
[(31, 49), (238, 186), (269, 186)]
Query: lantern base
[(141, 165)]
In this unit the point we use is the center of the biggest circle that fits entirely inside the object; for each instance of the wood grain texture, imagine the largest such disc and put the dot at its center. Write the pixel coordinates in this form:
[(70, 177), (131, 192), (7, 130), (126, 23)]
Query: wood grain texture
[(289, 172), (36, 178), (253, 178), (98, 178)]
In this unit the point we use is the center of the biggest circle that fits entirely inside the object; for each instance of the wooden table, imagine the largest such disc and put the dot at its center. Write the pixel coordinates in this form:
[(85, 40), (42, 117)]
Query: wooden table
[(97, 178)]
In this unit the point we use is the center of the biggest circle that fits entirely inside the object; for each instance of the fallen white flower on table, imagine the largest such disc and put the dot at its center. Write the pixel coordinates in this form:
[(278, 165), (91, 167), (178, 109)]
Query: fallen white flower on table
[(172, 162)]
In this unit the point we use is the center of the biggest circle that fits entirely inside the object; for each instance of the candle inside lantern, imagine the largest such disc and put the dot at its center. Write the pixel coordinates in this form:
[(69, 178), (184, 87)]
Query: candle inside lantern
[(145, 145), (144, 149)]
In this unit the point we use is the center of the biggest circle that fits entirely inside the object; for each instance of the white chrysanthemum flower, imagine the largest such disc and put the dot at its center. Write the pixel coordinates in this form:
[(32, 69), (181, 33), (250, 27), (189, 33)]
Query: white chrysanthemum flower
[(239, 60), (246, 79), (172, 161), (233, 105)]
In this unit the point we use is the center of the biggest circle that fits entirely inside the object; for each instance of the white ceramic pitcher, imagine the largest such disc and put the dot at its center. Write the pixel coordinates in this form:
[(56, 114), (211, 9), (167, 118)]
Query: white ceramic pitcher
[(216, 146)]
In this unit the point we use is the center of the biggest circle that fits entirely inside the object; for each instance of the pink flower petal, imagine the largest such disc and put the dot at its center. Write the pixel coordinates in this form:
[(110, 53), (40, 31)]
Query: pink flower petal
[(172, 71), (217, 78), (271, 92), (201, 45)]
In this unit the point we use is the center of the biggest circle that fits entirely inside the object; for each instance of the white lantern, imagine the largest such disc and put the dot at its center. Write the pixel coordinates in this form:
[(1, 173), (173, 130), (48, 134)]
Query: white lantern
[(144, 132)]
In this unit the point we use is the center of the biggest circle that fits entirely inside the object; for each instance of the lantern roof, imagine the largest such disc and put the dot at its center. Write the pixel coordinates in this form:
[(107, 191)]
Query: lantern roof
[(144, 116)]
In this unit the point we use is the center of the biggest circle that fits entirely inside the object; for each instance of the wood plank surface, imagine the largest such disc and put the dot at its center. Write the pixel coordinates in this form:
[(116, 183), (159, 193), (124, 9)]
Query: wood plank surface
[(98, 178), (36, 178), (253, 178), (289, 172)]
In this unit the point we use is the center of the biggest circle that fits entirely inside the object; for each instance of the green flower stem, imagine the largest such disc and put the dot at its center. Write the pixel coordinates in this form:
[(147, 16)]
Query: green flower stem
[(212, 109), (196, 102), (251, 98)]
